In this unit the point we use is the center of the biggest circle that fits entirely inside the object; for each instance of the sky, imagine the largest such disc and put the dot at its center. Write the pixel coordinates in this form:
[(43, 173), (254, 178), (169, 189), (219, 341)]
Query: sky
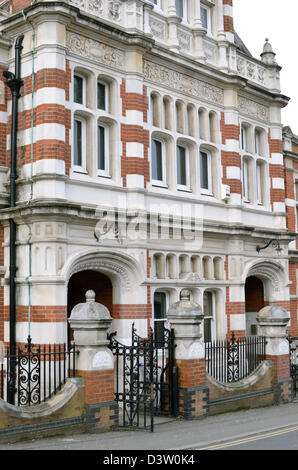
[(255, 20)]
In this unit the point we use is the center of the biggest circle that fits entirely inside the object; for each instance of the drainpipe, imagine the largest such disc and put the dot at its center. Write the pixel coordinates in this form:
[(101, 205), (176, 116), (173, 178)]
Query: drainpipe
[(14, 82)]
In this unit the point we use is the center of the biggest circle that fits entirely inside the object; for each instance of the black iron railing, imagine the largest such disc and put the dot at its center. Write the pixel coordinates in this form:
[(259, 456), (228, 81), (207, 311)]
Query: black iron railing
[(230, 361), (40, 372), (146, 378)]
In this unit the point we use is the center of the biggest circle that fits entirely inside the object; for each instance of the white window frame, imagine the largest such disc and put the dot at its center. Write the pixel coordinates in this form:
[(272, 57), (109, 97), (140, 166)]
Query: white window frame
[(163, 182), (259, 183), (245, 179), (80, 168), (83, 91), (213, 316), (101, 82), (243, 137), (183, 187), (156, 3), (165, 320), (257, 142), (106, 171), (208, 10), (207, 191), (185, 12), (296, 190)]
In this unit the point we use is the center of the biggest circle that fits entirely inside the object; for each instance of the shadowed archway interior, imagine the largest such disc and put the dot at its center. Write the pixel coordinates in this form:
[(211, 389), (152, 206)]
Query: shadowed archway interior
[(83, 281), (254, 302)]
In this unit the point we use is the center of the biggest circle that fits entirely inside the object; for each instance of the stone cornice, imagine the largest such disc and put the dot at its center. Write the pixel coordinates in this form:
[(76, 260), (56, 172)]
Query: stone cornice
[(72, 211), (92, 27)]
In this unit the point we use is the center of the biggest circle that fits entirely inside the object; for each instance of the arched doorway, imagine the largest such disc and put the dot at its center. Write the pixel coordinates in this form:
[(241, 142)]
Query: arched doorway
[(82, 281), (254, 302)]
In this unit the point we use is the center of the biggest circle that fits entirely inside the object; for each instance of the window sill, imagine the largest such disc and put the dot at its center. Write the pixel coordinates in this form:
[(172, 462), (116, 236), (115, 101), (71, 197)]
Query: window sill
[(206, 193), (184, 189), (102, 175), (159, 184), (82, 172)]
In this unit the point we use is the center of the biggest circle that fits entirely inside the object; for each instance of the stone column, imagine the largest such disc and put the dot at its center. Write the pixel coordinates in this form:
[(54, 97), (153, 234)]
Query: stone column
[(173, 22), (95, 363), (272, 323), (185, 317)]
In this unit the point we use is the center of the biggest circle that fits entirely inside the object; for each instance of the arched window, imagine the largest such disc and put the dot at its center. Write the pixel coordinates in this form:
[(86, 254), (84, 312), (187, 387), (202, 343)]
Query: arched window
[(260, 183), (160, 314), (205, 172), (183, 175), (79, 89), (103, 149), (79, 154), (260, 141), (102, 96), (209, 305), (246, 179), (158, 161)]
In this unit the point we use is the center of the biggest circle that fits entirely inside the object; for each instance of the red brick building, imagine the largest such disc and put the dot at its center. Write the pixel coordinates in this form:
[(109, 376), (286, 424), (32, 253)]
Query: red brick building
[(150, 159)]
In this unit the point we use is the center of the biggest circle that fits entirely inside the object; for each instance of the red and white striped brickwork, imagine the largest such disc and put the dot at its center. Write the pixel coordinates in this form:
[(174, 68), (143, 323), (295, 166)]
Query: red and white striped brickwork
[(52, 151), (228, 19)]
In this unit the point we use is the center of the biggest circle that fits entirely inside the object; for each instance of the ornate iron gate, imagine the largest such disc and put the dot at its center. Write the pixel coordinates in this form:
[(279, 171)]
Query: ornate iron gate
[(293, 343), (146, 378)]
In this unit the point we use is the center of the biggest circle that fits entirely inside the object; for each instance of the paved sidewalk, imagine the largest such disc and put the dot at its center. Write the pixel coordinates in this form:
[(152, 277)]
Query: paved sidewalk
[(175, 435)]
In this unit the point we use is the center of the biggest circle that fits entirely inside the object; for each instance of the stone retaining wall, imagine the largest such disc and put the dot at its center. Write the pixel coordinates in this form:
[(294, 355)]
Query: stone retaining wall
[(64, 413), (256, 390)]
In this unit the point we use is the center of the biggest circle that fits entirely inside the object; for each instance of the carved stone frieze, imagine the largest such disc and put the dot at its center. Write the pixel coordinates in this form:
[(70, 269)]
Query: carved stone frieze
[(94, 50), (111, 10), (95, 6), (253, 108), (114, 10), (158, 28), (183, 83), (184, 40), (210, 51), (251, 70)]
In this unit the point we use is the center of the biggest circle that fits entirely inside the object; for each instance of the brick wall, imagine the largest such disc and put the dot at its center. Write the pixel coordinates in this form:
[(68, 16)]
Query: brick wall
[(131, 133), (228, 19)]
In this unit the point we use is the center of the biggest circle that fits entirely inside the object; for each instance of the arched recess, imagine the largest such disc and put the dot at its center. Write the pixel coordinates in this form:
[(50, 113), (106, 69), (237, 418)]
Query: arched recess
[(124, 271), (121, 271), (254, 302), (270, 275), (80, 283)]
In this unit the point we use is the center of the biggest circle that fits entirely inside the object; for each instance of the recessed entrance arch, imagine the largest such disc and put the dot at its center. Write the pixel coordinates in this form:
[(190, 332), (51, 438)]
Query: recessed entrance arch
[(254, 302), (80, 283)]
